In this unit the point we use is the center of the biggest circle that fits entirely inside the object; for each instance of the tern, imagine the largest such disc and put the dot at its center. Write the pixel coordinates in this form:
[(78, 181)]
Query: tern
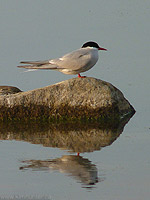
[(76, 62)]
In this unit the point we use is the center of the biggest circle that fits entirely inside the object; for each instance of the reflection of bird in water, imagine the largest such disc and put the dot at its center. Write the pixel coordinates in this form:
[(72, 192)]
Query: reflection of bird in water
[(72, 165)]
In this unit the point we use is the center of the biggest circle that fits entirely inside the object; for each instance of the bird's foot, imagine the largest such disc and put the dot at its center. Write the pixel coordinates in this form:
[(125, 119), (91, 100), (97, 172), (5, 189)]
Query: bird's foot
[(79, 76)]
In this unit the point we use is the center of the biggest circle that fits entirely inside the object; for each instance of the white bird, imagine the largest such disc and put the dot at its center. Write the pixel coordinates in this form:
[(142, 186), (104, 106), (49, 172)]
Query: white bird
[(75, 62)]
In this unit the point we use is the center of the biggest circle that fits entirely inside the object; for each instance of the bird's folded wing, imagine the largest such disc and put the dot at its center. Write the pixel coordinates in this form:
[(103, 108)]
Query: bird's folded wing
[(37, 67), (74, 60), (35, 62)]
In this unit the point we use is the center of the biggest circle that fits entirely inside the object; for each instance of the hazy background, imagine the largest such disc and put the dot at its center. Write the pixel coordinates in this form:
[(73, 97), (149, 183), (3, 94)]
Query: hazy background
[(39, 30)]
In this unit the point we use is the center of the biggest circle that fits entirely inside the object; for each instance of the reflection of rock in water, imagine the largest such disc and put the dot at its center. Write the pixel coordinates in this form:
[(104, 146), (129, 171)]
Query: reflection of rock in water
[(74, 137), (76, 166)]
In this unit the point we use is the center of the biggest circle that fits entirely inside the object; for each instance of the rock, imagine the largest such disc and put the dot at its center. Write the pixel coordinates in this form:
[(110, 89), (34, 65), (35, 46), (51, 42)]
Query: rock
[(77, 98), (5, 90)]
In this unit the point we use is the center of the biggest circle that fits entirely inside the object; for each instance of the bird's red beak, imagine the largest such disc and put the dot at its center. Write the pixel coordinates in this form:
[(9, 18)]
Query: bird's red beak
[(100, 48)]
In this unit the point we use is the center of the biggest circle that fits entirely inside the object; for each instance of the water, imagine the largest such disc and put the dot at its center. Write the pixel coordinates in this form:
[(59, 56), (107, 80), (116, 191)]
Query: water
[(37, 30)]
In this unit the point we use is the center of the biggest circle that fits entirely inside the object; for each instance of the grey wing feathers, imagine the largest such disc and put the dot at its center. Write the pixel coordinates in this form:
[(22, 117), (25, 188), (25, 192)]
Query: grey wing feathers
[(74, 60), (35, 62), (76, 54), (37, 65)]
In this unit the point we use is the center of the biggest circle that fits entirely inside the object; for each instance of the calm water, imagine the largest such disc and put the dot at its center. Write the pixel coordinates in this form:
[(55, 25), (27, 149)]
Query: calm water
[(40, 161)]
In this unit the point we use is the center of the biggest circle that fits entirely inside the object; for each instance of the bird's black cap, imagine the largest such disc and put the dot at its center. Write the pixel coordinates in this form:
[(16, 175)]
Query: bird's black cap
[(91, 44)]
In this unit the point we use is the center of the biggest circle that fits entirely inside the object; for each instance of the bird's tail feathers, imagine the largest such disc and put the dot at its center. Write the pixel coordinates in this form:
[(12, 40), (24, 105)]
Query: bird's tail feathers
[(35, 62), (29, 70), (44, 66)]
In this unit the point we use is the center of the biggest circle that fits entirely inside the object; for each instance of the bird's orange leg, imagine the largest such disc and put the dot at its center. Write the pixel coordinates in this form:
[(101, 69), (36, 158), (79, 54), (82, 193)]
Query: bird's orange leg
[(81, 76)]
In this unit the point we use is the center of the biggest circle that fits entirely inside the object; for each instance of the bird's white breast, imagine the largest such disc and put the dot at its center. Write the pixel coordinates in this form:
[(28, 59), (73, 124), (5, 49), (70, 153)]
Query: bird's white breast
[(93, 52)]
